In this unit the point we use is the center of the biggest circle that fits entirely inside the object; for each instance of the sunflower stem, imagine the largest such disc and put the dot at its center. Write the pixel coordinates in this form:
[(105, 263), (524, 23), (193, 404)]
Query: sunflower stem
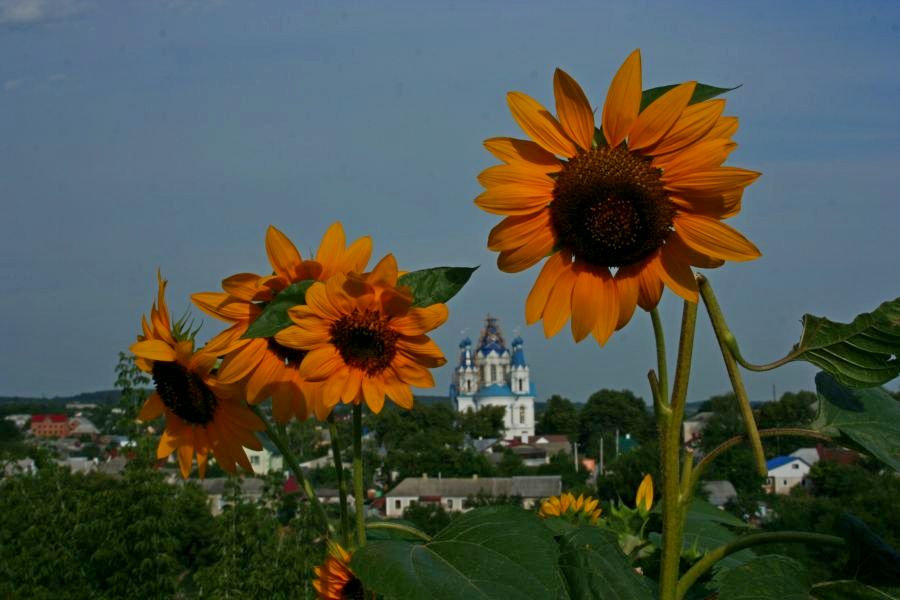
[(342, 481), (663, 373), (670, 450), (358, 476), (720, 327), (308, 490)]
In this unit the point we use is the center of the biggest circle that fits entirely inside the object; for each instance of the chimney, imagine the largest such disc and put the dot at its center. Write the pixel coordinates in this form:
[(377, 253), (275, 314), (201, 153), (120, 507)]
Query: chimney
[(475, 476)]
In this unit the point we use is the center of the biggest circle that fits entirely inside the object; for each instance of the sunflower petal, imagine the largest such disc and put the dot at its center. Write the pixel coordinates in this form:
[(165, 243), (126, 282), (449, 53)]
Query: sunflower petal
[(713, 181), (154, 350), (513, 199), (524, 257), (585, 308), (514, 232), (695, 122), (714, 238), (543, 285), (628, 286), (702, 156), (676, 272), (399, 393), (153, 407), (373, 393), (332, 246), (658, 118), (420, 320), (559, 304), (650, 284), (725, 127), (608, 301), (539, 124), (574, 110), (623, 100), (225, 307), (506, 174), (523, 154), (283, 255), (321, 363), (246, 286)]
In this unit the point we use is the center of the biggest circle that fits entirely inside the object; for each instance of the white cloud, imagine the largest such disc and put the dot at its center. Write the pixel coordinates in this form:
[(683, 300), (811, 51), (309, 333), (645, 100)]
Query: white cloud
[(38, 12)]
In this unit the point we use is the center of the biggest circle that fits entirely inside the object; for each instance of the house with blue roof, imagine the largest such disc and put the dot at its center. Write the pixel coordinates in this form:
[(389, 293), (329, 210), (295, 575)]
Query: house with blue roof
[(785, 472), (492, 374)]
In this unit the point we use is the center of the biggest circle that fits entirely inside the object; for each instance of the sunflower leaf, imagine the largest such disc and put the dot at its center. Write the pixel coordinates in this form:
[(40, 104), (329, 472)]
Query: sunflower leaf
[(594, 566), (701, 92), (866, 419), (437, 285), (862, 353), (274, 316), (767, 577), (492, 553)]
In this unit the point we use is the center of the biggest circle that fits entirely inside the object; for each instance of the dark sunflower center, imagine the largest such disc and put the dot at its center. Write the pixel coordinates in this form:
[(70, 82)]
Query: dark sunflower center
[(365, 341), (292, 357), (184, 393), (609, 207), (353, 590)]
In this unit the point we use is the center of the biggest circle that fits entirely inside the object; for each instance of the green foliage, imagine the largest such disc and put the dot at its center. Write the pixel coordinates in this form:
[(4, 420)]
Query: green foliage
[(608, 411), (868, 419), (12, 446), (274, 316), (701, 92), (770, 577), (436, 285), (486, 422), (491, 553), (429, 517), (625, 473), (859, 354), (560, 416), (132, 384), (594, 567)]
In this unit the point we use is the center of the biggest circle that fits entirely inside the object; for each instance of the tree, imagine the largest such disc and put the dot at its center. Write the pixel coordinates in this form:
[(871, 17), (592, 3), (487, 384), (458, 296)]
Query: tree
[(560, 416), (429, 517), (608, 411), (625, 473), (486, 422)]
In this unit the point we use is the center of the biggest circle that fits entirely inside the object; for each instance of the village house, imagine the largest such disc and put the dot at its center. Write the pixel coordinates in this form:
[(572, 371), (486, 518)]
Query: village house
[(451, 492), (785, 472), (51, 425)]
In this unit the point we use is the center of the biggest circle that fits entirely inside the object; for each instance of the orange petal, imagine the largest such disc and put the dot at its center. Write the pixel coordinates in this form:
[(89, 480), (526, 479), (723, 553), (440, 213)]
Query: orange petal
[(225, 307), (574, 110), (238, 365), (585, 307), (319, 302), (623, 100), (303, 337), (420, 320), (321, 363), (650, 286), (247, 287), (628, 286), (352, 391), (717, 206), (169, 441), (185, 460), (514, 232), (267, 372), (524, 257), (413, 374), (697, 259), (523, 154), (373, 392), (696, 121), (608, 299), (154, 350), (283, 255), (332, 246), (714, 238), (422, 349), (702, 156), (385, 272), (725, 127), (356, 257), (153, 407), (333, 387), (713, 181), (399, 392), (543, 285), (676, 272), (513, 199), (539, 124), (559, 304), (658, 118), (507, 174)]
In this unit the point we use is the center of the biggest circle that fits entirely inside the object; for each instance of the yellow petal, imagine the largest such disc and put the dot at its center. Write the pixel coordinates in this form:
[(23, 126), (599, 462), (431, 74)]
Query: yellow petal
[(559, 304), (399, 393), (628, 287), (225, 307), (574, 110), (185, 460), (247, 287), (420, 320), (543, 285), (623, 100), (523, 154), (585, 310), (650, 282), (695, 258), (332, 246), (676, 272), (658, 118), (524, 257), (514, 199), (713, 181), (608, 301), (357, 256), (507, 174), (283, 255), (702, 156), (321, 363), (695, 122), (154, 350), (305, 338), (725, 127), (238, 365), (539, 124), (714, 238), (385, 272), (514, 232), (153, 407)]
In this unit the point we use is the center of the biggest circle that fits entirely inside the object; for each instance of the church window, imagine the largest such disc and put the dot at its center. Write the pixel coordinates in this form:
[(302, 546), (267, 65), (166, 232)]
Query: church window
[(493, 372), (521, 414)]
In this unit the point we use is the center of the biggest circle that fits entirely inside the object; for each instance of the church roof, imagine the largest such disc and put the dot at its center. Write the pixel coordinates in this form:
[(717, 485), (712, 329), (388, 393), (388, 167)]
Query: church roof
[(518, 357), (491, 338)]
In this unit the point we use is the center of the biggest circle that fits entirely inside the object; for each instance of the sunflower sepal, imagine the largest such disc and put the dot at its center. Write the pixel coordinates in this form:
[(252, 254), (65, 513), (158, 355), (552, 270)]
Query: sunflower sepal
[(436, 285), (274, 316)]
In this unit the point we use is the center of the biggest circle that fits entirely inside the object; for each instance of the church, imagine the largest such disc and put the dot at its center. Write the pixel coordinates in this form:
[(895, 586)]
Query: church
[(490, 374)]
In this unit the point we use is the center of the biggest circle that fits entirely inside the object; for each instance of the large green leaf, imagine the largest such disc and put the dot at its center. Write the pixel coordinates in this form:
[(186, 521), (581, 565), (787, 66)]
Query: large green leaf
[(594, 567), (705, 535), (701, 92), (274, 316), (862, 353), (868, 419), (437, 285), (701, 510), (770, 577), (876, 560), (847, 589), (490, 553)]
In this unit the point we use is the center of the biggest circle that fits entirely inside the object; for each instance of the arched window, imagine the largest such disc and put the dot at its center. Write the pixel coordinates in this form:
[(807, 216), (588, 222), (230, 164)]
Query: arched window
[(521, 414), (493, 372)]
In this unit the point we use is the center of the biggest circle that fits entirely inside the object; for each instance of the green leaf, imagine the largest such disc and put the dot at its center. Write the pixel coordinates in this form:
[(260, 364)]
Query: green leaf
[(842, 590), (495, 553), (876, 561), (862, 353), (867, 419), (274, 316), (701, 510), (437, 285), (701, 92), (705, 535), (770, 577), (594, 567)]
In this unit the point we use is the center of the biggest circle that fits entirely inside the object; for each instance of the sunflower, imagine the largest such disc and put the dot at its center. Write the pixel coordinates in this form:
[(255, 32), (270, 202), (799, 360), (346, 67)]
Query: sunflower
[(202, 414), (269, 368), (334, 579), (364, 339), (622, 210), (644, 498), (567, 506)]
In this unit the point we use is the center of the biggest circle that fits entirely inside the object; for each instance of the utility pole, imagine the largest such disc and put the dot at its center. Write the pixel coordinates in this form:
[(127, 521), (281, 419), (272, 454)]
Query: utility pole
[(617, 443), (601, 454)]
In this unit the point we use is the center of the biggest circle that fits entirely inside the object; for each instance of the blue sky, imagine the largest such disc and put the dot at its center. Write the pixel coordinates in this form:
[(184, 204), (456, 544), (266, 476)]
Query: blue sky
[(145, 134)]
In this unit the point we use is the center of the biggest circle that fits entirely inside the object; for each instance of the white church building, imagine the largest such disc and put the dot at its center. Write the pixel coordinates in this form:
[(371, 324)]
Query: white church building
[(490, 374)]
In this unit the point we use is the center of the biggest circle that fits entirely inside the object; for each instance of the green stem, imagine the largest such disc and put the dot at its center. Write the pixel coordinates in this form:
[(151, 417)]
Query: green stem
[(342, 481), (663, 374), (672, 508), (302, 481), (747, 541), (720, 327), (734, 441), (731, 341), (358, 492), (399, 527)]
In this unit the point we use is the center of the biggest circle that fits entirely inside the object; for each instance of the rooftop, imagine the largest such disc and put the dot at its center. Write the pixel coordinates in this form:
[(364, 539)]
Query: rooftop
[(527, 487)]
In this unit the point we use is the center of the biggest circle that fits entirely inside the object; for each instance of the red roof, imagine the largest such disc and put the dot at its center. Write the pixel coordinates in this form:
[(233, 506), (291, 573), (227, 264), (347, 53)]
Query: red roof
[(290, 486), (55, 418)]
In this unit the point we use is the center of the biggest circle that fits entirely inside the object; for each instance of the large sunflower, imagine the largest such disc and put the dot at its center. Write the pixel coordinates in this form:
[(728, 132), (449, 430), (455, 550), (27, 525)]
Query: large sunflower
[(202, 414), (334, 579), (269, 368), (364, 339), (622, 210)]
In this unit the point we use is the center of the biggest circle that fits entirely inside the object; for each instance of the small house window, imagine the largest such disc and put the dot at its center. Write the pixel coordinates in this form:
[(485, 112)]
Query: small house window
[(449, 503), (254, 460), (795, 466), (785, 482), (493, 372), (398, 504), (521, 414)]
